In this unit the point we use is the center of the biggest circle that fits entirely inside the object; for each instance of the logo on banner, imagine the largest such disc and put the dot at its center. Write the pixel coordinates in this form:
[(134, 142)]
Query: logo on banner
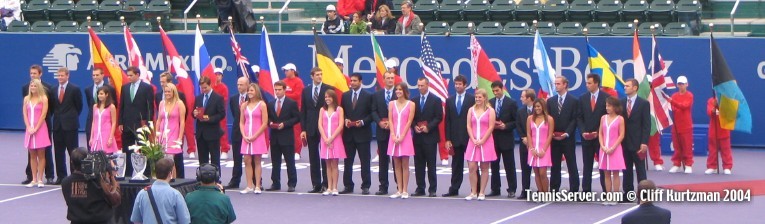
[(62, 55)]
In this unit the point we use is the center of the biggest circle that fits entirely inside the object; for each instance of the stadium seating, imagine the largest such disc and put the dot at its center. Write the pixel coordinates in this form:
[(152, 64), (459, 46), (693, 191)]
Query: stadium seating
[(427, 10), (515, 28), (113, 27), (489, 28), (437, 28), (582, 11), (527, 10), (623, 29), (662, 11), (635, 9), (502, 10), (97, 26), (36, 10), (462, 28), (546, 28), (677, 29), (689, 12), (133, 10), (609, 11), (67, 26), (569, 28), (158, 8), (61, 10), (18, 26), (554, 10), (83, 9), (598, 29), (140, 26), (43, 26), (109, 10), (476, 10), (450, 10), (645, 29)]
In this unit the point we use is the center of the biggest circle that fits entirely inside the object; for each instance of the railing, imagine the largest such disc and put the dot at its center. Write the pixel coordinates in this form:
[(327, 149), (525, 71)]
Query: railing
[(185, 16), (284, 7), (733, 12)]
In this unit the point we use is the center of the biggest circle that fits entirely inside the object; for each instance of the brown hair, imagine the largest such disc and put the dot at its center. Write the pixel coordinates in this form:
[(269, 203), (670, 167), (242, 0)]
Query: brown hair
[(542, 103), (386, 9), (280, 83), (36, 67), (204, 80), (530, 94), (163, 168), (615, 104), (108, 101), (331, 94), (404, 89), (257, 97), (314, 70)]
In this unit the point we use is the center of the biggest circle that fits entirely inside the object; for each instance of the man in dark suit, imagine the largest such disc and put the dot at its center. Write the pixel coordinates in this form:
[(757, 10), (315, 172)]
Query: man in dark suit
[(380, 115), (647, 212), (91, 98), (242, 83), (66, 121), (209, 110), (357, 135), (504, 141), (313, 101), (136, 108), (527, 105), (564, 109), (283, 115), (637, 121), (592, 106), (457, 107), (35, 72), (427, 116), (159, 96)]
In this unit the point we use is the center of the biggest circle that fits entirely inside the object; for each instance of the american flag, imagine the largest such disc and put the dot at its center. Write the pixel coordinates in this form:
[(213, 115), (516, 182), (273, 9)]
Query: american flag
[(432, 71), (241, 61)]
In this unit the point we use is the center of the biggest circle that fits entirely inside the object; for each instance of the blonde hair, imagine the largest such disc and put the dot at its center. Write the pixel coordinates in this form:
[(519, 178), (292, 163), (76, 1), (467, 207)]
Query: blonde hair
[(258, 97), (174, 90), (40, 93), (485, 95), (386, 9)]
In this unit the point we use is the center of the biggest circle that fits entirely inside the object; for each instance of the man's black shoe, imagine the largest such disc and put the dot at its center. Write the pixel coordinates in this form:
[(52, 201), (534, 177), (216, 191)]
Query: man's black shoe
[(381, 192), (27, 181), (49, 181), (364, 191), (450, 194), (232, 185), (418, 193), (511, 195), (274, 188), (315, 190), (522, 196), (58, 181), (347, 190), (432, 194), (291, 189)]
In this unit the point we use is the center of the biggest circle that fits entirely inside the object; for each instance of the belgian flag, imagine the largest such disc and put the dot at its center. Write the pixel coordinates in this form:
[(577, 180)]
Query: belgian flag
[(734, 110), (331, 74)]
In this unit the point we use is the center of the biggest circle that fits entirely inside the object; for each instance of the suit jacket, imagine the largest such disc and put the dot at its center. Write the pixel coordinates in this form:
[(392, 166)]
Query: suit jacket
[(565, 119), (380, 112), (309, 114), (90, 101), (456, 125), (289, 115), (523, 116), (638, 124), (589, 119), (49, 92), (133, 112), (362, 112), (215, 110), (430, 113), (648, 214), (233, 106), (504, 139), (66, 114)]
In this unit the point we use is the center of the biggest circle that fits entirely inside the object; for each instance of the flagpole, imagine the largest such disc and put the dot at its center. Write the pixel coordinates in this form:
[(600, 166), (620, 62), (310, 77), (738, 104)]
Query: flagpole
[(122, 21), (88, 21), (231, 24), (535, 24), (313, 24), (714, 94), (198, 18)]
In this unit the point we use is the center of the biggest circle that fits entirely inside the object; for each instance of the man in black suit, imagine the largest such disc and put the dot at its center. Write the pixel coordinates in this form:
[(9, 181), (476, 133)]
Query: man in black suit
[(283, 115), (209, 110), (313, 101), (427, 116), (380, 114), (564, 109), (66, 121), (357, 135), (159, 96), (527, 105), (242, 83), (647, 212), (91, 98), (35, 72), (136, 108), (637, 121), (592, 106), (504, 141), (457, 107)]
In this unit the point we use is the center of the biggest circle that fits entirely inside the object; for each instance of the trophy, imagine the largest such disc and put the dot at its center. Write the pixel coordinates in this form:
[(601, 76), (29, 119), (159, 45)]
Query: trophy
[(120, 161), (139, 165)]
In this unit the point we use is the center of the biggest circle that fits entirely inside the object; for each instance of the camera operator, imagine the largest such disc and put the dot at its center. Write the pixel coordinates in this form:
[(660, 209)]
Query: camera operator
[(89, 198), (209, 203)]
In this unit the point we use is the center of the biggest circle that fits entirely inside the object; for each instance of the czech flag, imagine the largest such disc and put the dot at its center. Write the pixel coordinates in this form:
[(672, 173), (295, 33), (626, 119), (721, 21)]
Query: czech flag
[(267, 75)]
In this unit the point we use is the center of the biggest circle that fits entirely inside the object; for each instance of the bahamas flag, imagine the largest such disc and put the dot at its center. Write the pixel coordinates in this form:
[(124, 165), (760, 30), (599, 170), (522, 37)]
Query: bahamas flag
[(331, 74), (734, 110), (612, 84)]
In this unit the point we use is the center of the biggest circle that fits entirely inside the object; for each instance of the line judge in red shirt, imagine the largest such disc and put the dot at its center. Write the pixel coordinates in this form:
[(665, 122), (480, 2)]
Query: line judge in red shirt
[(221, 89), (294, 89), (682, 132), (719, 140)]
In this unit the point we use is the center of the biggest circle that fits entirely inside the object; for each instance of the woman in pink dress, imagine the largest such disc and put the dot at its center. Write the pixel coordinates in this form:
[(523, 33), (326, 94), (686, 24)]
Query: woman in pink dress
[(539, 128), (104, 124), (252, 124), (400, 146), (611, 136), (331, 130), (480, 148), (170, 123), (36, 135)]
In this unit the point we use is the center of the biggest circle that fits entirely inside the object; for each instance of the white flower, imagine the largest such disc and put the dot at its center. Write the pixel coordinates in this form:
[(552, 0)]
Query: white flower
[(135, 148), (151, 124), (143, 142)]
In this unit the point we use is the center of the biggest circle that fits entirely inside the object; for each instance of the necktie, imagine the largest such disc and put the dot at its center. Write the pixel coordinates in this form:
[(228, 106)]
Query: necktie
[(204, 102), (528, 110), (355, 99), (315, 95), (61, 94), (592, 102), (278, 107), (459, 104), (629, 106), (422, 102), (499, 106), (560, 104), (387, 96), (95, 93), (132, 91), (241, 99)]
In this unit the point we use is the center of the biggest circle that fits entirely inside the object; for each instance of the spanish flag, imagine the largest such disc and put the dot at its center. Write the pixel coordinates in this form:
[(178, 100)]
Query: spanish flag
[(331, 74), (612, 84), (734, 110), (103, 59)]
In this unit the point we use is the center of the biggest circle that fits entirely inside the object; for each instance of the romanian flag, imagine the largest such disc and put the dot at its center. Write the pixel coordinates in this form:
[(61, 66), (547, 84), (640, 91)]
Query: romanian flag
[(483, 67), (104, 60), (331, 74), (612, 84), (734, 110)]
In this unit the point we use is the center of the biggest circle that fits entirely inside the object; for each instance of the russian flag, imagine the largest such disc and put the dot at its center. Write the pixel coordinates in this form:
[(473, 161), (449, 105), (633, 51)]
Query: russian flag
[(201, 63), (267, 74)]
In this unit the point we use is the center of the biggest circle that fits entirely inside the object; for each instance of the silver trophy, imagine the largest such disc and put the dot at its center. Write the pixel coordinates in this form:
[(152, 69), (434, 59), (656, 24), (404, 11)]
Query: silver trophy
[(139, 165), (120, 161)]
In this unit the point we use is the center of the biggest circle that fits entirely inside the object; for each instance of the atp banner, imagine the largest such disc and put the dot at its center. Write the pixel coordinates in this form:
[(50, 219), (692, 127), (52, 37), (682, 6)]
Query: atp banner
[(511, 56)]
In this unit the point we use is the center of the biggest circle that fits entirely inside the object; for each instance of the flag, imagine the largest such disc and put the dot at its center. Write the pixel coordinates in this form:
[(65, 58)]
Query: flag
[(245, 70), (637, 59), (612, 84), (437, 85), (135, 58), (658, 99), (201, 63), (331, 74), (545, 70), (103, 59), (177, 67), (268, 74), (734, 110), (380, 59), (486, 73)]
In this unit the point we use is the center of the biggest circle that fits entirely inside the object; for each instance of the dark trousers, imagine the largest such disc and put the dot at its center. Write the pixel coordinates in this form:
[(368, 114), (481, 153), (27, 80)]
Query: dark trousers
[(318, 166), (128, 139), (63, 143), (236, 173), (523, 156), (209, 152), (425, 156), (288, 151), (631, 158), (458, 168), (562, 148), (507, 155), (351, 147), (179, 170), (590, 149)]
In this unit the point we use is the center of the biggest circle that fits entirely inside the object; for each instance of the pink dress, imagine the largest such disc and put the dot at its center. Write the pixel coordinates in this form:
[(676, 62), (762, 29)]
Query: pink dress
[(485, 152), (102, 131), (330, 124), (170, 127), (406, 148), (538, 137), (40, 139), (615, 161), (252, 122)]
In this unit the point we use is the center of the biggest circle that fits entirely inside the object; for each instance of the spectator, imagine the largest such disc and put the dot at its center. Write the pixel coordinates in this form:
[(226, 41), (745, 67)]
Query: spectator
[(647, 212), (346, 8), (371, 6), (209, 204), (383, 21), (334, 24), (10, 10), (169, 203), (89, 201), (408, 23), (358, 26)]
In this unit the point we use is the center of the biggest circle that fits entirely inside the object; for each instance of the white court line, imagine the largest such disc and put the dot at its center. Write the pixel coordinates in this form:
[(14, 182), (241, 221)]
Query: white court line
[(618, 214), (522, 213), (27, 195)]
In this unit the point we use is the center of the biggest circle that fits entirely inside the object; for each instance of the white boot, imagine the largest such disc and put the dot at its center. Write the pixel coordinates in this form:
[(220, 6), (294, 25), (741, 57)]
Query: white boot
[(727, 172), (297, 156), (192, 155), (710, 171), (688, 169), (659, 167), (674, 169), (376, 159), (224, 155)]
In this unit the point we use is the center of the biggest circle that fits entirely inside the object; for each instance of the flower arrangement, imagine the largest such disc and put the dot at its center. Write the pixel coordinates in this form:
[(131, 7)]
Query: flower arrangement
[(152, 143)]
